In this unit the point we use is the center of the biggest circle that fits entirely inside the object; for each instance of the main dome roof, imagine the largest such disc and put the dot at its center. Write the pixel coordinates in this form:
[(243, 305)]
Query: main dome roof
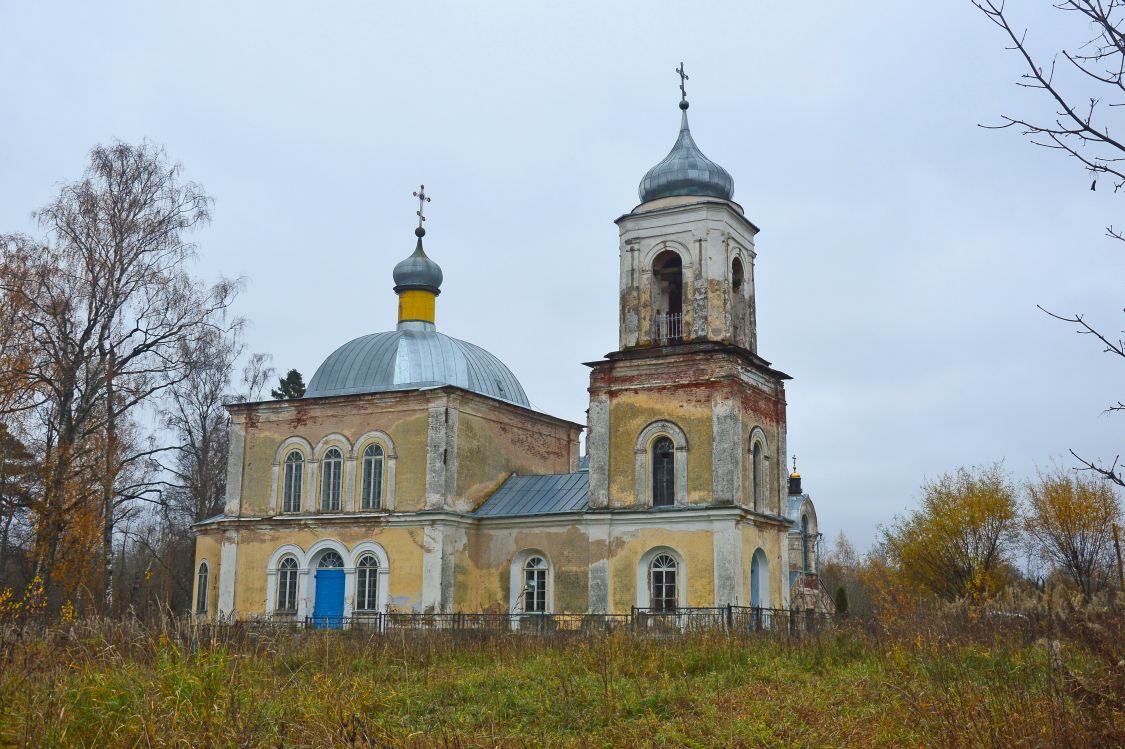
[(414, 356), (686, 171)]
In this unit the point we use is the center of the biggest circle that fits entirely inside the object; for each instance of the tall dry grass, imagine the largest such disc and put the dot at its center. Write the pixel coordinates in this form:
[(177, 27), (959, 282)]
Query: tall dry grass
[(1045, 673)]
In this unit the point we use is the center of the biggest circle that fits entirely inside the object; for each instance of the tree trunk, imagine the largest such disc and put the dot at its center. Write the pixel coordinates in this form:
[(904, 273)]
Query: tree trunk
[(109, 477)]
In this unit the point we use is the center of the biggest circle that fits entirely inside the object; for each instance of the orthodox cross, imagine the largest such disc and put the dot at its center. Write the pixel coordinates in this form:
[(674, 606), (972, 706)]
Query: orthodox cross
[(794, 462), (422, 200), (683, 77)]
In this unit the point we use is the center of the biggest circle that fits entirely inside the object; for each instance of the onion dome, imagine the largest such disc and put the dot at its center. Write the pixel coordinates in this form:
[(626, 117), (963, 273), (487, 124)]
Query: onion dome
[(686, 171), (418, 272)]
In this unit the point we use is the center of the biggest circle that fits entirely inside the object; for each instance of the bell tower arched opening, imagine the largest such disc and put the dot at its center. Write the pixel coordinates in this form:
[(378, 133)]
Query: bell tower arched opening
[(668, 297)]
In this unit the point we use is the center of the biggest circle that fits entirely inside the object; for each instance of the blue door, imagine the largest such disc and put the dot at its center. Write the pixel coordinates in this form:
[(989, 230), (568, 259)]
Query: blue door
[(328, 609)]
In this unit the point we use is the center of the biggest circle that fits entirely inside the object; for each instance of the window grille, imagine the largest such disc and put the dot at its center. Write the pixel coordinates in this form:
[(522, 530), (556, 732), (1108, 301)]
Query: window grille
[(663, 472), (330, 560), (367, 584), (294, 474), (332, 466), (662, 583), (201, 590), (535, 586), (287, 586), (371, 495)]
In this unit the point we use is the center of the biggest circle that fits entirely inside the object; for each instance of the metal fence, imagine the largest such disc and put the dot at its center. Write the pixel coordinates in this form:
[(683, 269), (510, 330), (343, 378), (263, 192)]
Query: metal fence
[(678, 621)]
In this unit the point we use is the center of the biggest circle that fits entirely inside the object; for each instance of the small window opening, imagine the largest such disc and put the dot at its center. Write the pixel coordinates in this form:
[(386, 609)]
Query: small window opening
[(736, 274), (201, 590)]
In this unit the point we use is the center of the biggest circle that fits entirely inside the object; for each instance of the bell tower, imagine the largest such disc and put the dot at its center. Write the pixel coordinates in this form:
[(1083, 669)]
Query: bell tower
[(687, 255), (686, 414)]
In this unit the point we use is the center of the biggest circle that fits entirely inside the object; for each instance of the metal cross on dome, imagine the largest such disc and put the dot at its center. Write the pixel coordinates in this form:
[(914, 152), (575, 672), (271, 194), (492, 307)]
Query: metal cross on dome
[(422, 200), (683, 78)]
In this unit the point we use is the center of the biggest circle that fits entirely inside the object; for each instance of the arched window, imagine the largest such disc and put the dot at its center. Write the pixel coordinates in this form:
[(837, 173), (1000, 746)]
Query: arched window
[(330, 560), (333, 469), (758, 477), (736, 274), (294, 476), (662, 583), (371, 493), (805, 543), (535, 585), (287, 586), (667, 272), (201, 590), (663, 472), (367, 583)]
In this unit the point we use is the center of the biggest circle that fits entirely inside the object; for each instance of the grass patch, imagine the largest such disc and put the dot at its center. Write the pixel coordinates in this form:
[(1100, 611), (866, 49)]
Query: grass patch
[(119, 684)]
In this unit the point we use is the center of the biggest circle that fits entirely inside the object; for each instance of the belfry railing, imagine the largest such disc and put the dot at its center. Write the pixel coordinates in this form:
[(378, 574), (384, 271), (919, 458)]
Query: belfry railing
[(668, 328)]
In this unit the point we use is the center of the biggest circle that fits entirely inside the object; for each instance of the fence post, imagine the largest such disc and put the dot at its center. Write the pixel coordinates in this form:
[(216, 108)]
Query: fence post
[(730, 617)]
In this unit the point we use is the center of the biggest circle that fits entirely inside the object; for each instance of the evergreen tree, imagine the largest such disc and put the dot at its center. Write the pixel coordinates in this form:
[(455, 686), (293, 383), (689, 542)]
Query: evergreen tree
[(289, 387)]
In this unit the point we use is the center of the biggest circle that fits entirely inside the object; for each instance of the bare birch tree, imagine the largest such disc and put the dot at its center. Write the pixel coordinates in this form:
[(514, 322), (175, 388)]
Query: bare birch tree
[(105, 305)]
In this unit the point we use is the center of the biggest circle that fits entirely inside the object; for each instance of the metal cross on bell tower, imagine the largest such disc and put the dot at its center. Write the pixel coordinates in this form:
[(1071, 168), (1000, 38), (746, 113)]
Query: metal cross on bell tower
[(683, 79), (422, 200)]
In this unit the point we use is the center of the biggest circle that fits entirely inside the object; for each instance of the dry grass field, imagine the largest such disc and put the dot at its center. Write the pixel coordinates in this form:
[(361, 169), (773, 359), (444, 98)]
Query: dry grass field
[(953, 681)]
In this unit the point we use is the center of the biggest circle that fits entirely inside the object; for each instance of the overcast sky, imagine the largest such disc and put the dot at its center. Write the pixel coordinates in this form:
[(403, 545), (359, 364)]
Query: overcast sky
[(903, 248)]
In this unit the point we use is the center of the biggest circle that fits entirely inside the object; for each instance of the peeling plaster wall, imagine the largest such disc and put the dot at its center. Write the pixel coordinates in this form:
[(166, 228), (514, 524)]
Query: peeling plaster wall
[(769, 539), (695, 547), (207, 548), (715, 396), (492, 443), (451, 448), (404, 548), (402, 416), (707, 234)]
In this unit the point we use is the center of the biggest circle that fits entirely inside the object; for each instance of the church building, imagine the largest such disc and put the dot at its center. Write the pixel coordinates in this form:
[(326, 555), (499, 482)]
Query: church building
[(414, 475)]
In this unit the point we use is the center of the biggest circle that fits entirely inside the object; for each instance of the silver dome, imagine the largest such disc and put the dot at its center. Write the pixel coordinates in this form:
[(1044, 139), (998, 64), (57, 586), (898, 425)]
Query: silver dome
[(413, 357), (418, 271), (686, 171)]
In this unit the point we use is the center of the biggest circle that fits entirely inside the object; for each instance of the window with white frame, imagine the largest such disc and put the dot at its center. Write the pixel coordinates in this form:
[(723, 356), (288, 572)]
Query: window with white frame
[(663, 472), (294, 475), (367, 584), (371, 493), (663, 572), (535, 585), (286, 586), (332, 472), (201, 589)]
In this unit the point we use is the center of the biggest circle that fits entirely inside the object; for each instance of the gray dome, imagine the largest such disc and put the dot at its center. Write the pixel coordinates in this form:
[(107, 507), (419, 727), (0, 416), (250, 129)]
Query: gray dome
[(418, 271), (413, 357), (686, 171)]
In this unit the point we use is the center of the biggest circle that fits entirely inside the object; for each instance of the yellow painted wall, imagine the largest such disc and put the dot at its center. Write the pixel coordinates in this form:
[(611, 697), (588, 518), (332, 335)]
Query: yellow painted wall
[(404, 418), (631, 411), (769, 539), (483, 581), (403, 546), (207, 547), (697, 574), (493, 443)]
